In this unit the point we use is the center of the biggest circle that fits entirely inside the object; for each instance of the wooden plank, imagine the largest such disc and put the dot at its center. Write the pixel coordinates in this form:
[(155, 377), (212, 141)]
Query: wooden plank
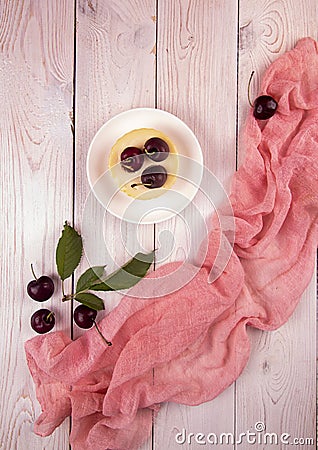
[(197, 82), (278, 386), (36, 71), (115, 71)]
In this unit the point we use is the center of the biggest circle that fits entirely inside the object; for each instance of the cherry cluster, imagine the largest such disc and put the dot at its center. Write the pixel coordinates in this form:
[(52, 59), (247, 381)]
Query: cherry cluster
[(43, 320), (132, 159)]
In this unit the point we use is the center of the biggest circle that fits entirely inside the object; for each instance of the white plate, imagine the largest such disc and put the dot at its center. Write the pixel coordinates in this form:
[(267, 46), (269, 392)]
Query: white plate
[(175, 199)]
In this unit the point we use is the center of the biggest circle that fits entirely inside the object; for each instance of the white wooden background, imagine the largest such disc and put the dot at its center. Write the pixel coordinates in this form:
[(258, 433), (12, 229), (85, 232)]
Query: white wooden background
[(71, 65)]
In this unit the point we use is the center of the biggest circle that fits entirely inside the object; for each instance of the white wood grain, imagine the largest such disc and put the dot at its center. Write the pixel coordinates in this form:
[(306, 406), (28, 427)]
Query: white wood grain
[(36, 45), (115, 72), (278, 386), (197, 82), (196, 76)]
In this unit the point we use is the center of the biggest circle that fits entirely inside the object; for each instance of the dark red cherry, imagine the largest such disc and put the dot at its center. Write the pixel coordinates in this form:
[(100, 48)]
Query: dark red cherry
[(156, 149), (40, 289), (264, 107), (131, 159), (152, 177), (84, 317), (42, 321)]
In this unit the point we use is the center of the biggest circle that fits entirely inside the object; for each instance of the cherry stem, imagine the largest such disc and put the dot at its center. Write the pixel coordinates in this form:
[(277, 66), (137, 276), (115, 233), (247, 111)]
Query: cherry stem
[(32, 270), (149, 152), (249, 89), (47, 319), (63, 290), (126, 164), (101, 335), (67, 297), (140, 184)]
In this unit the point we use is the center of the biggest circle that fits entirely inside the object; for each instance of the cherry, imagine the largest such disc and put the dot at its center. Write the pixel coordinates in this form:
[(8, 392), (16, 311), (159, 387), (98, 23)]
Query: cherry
[(42, 321), (156, 149), (131, 159), (84, 317), (264, 106), (40, 289), (152, 177)]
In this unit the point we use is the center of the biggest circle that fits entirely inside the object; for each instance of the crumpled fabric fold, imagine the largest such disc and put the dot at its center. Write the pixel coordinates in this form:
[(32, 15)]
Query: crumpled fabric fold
[(190, 345)]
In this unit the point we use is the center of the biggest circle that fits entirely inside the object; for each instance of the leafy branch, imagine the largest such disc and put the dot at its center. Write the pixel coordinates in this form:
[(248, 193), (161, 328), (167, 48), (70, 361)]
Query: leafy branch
[(68, 256)]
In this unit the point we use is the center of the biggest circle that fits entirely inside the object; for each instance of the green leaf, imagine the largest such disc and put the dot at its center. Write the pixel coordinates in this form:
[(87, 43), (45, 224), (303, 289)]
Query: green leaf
[(90, 300), (90, 277), (128, 275), (68, 252)]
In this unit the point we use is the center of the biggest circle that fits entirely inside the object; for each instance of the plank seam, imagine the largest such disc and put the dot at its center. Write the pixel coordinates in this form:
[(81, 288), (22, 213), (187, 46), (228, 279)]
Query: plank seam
[(154, 225), (74, 164), (74, 140), (156, 54), (236, 166)]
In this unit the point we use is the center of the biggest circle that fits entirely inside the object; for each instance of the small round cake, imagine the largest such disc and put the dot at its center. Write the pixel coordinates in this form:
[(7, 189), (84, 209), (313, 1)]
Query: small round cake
[(144, 163)]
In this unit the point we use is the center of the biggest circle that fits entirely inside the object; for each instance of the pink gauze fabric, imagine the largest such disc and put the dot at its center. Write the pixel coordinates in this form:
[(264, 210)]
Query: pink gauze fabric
[(188, 346)]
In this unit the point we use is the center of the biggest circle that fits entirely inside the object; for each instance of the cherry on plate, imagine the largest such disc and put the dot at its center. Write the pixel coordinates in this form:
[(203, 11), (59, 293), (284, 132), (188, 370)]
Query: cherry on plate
[(152, 177), (131, 159), (156, 149)]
